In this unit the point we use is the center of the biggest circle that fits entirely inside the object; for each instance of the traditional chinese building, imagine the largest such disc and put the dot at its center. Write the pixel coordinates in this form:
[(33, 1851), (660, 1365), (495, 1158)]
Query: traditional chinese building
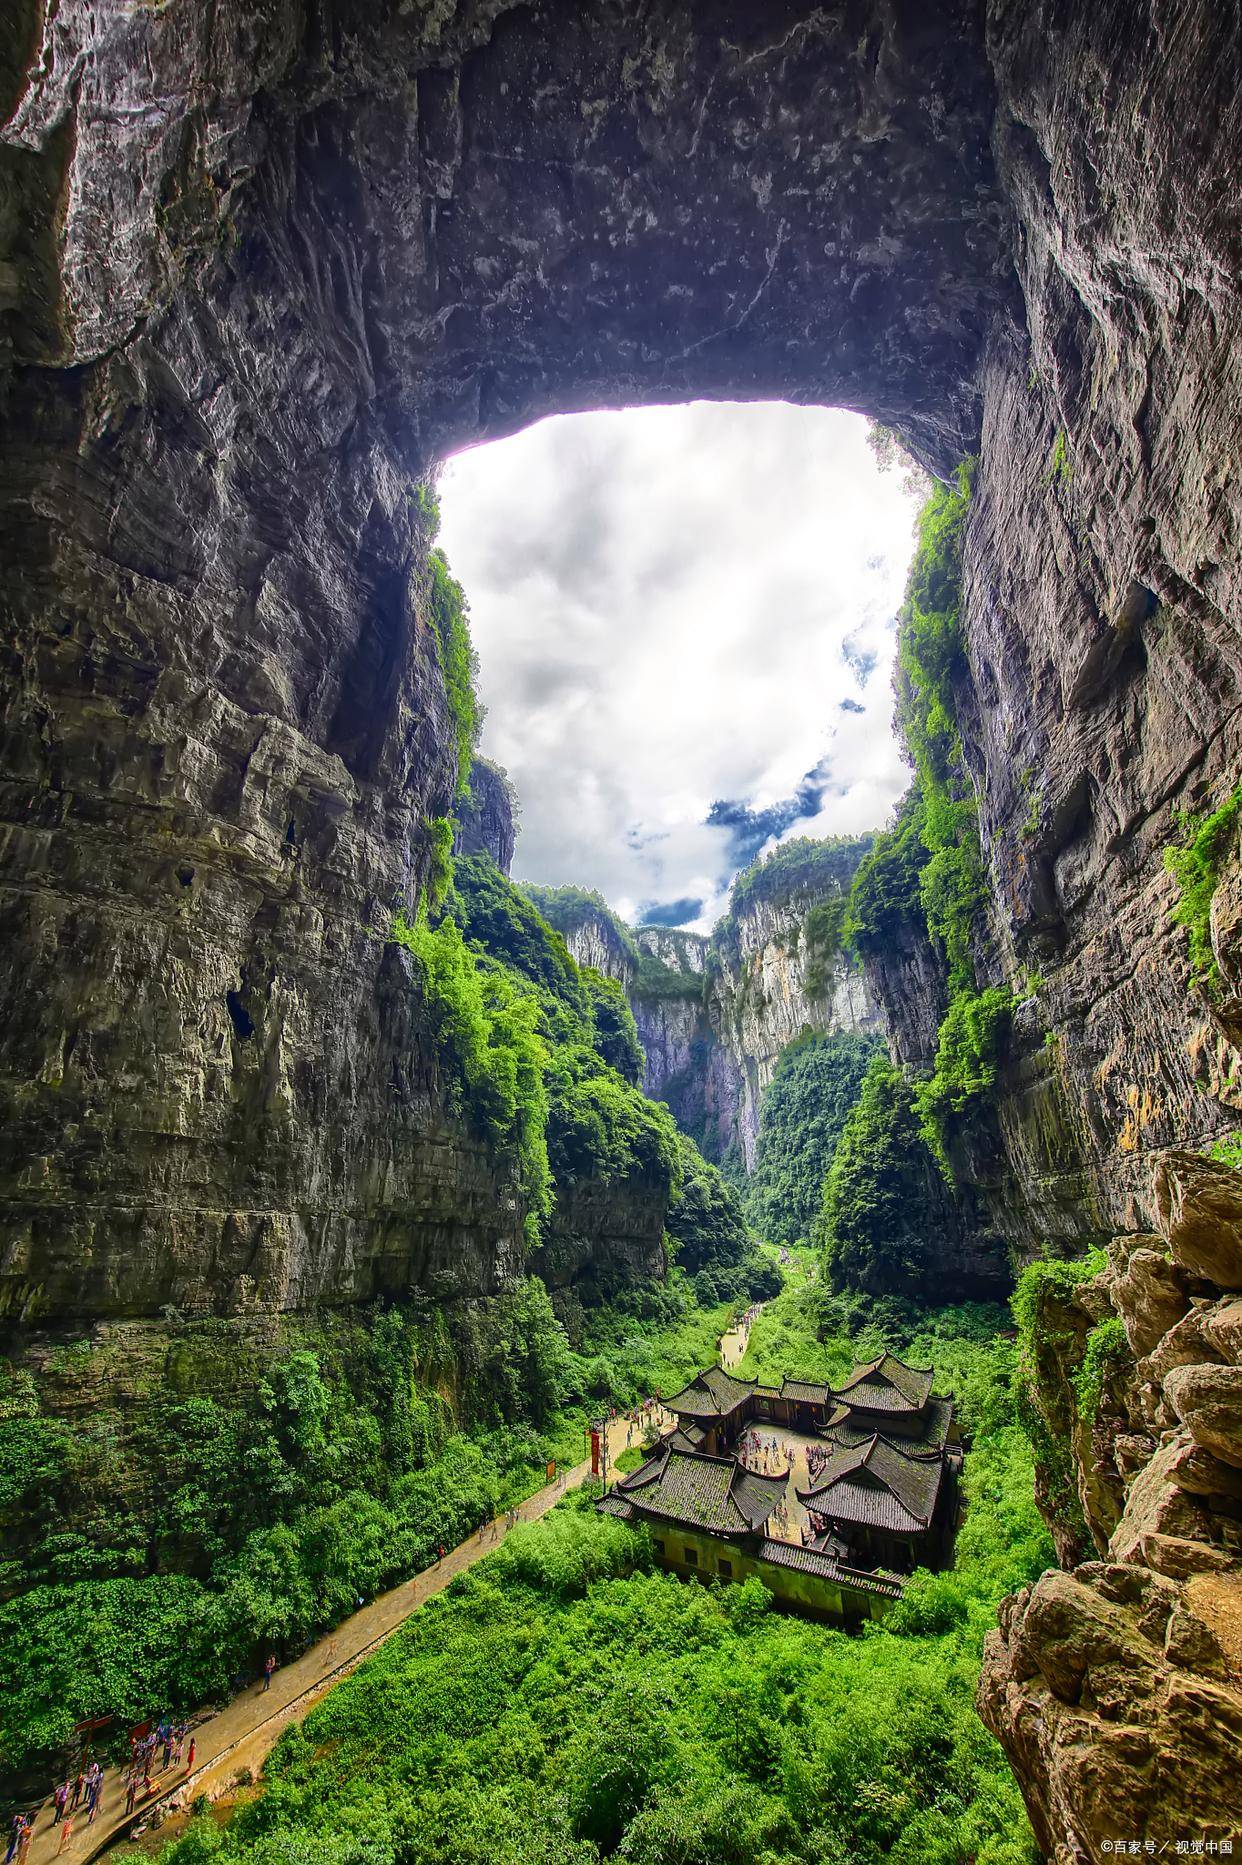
[(882, 1500)]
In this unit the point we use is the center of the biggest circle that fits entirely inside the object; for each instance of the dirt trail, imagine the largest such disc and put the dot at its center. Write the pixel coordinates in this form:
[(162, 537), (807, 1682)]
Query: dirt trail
[(242, 1734)]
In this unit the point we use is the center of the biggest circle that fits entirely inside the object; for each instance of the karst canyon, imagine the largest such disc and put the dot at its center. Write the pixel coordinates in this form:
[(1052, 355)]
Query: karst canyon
[(357, 1183)]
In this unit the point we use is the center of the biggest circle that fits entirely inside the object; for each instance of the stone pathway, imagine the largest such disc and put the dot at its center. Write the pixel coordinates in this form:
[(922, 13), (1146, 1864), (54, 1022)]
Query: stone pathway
[(242, 1734), (733, 1344)]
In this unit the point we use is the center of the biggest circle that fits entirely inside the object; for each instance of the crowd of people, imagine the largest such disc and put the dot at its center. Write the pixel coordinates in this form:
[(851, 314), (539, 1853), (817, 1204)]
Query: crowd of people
[(818, 1457), (763, 1454), (169, 1746), (645, 1416)]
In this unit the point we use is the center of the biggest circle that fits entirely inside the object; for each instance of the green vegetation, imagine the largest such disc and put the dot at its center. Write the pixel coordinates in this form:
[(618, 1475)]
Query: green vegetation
[(878, 1219), (1060, 468), (568, 908), (487, 1032), (1050, 1346), (823, 932), (1195, 864), (801, 1116), (709, 1238), (802, 865), (934, 846), (654, 979), (449, 612), (226, 1492), (967, 1051), (884, 899), (540, 1058), (1107, 1354), (563, 1702), (1227, 1151), (616, 1033)]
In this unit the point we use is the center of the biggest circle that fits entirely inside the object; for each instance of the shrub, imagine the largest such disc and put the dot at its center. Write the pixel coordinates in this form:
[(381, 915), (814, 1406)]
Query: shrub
[(1195, 863), (705, 1223), (967, 1052), (616, 1033), (492, 1057), (1107, 1354)]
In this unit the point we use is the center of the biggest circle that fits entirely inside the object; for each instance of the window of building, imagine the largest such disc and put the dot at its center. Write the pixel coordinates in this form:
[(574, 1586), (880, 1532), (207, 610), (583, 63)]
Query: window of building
[(692, 1557), (659, 1547), (726, 1570)]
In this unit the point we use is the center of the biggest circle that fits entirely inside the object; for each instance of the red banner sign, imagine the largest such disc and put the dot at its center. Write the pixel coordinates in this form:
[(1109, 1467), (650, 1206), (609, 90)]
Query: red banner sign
[(594, 1451)]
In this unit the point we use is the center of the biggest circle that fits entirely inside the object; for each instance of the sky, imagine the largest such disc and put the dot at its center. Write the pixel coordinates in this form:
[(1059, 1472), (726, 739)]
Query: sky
[(685, 621)]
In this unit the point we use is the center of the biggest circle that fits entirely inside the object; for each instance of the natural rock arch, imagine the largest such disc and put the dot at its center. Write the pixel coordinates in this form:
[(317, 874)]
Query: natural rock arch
[(263, 270)]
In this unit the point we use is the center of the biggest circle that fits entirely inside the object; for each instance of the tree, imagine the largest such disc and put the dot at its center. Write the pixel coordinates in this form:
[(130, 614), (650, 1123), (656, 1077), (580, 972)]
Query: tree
[(878, 1218), (804, 1110)]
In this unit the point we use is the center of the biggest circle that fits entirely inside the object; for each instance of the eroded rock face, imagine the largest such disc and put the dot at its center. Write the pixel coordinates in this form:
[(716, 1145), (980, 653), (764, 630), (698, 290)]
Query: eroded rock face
[(261, 269), (485, 816), (1102, 587), (1117, 1689), (712, 1045)]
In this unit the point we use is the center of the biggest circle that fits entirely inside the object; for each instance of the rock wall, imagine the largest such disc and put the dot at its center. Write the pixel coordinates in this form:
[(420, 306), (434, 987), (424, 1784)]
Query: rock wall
[(715, 1015), (261, 270), (602, 1237), (1116, 1688), (762, 995), (485, 816), (1102, 590)]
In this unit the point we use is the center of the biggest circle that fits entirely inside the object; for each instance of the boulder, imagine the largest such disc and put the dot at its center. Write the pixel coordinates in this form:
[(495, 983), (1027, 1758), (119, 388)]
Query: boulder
[(1222, 1327), (1208, 1400), (1129, 1722), (1147, 1290), (1156, 1504), (1200, 1210)]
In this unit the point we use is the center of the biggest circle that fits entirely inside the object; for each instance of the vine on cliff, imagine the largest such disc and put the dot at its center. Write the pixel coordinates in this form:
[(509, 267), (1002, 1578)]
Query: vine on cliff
[(1195, 863), (927, 870), (539, 1056), (459, 664)]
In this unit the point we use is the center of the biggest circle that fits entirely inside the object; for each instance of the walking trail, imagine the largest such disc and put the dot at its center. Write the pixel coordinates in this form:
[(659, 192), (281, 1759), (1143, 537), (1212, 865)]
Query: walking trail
[(241, 1735)]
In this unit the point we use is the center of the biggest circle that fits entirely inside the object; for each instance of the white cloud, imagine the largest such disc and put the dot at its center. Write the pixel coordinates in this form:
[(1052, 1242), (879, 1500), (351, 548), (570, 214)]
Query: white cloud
[(669, 606)]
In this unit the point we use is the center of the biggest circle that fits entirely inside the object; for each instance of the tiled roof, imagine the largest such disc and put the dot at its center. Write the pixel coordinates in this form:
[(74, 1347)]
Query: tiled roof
[(848, 1430), (612, 1504), (687, 1439), (877, 1486), (824, 1567), (888, 1385), (802, 1560), (715, 1493), (808, 1391), (713, 1394)]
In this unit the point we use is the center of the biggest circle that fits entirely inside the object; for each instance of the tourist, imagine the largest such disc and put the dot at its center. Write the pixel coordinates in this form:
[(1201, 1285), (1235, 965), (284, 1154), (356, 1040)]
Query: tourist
[(78, 1785), (15, 1837), (189, 1760), (23, 1844), (58, 1802), (269, 1665), (66, 1834), (131, 1792)]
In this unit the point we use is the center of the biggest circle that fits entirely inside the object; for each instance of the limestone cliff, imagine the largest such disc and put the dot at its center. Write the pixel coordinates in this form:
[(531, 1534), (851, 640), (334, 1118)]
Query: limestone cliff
[(1116, 1688), (485, 816), (775, 974), (714, 1014)]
